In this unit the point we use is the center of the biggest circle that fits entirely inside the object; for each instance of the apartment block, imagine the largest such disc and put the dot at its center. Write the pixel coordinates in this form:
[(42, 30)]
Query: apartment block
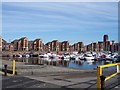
[(9, 47), (15, 44), (47, 47), (21, 44), (100, 46), (78, 46), (55, 45), (65, 46), (24, 44), (3, 44), (71, 48), (94, 46), (38, 45), (116, 47), (30, 45)]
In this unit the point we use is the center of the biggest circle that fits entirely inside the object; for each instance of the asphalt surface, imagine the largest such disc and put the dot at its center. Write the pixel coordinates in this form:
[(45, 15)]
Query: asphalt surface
[(50, 80), (57, 77), (113, 83), (24, 82), (64, 81)]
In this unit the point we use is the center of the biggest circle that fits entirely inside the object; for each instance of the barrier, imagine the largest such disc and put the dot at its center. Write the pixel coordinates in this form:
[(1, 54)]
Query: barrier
[(101, 79), (13, 67), (5, 73)]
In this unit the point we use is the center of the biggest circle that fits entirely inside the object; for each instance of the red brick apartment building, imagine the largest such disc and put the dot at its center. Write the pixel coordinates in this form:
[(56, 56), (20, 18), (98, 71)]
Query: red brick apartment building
[(30, 45), (100, 46), (55, 45), (71, 48), (2, 44), (47, 47), (21, 44), (38, 45), (9, 47), (65, 46)]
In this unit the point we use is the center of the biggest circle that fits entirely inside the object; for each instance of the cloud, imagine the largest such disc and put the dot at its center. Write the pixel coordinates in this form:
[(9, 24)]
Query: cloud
[(60, 17)]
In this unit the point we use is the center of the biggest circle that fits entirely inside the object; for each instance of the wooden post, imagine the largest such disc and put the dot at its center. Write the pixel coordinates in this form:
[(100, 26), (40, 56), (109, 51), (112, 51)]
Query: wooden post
[(102, 78), (5, 71)]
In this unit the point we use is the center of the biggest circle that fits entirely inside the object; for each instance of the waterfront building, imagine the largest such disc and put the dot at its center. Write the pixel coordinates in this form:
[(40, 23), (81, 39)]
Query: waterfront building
[(3, 44), (108, 46), (105, 40), (71, 48), (30, 45), (55, 45), (100, 46), (89, 47), (85, 48), (60, 46), (65, 46), (21, 44), (38, 45), (47, 47), (15, 44), (75, 47), (9, 47), (94, 48), (116, 47), (78, 46), (112, 46)]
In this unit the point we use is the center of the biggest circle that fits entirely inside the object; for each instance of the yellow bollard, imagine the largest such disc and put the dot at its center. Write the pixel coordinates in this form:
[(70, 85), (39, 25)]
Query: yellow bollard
[(118, 68), (13, 67), (99, 73)]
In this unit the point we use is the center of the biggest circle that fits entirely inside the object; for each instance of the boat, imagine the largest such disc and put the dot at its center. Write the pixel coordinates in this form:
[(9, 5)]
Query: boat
[(89, 57), (65, 57), (52, 56), (34, 55), (72, 57), (41, 55), (26, 55), (78, 57), (18, 55)]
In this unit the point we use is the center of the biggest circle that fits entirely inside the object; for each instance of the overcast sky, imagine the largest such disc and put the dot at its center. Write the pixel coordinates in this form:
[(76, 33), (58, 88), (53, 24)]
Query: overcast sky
[(86, 22)]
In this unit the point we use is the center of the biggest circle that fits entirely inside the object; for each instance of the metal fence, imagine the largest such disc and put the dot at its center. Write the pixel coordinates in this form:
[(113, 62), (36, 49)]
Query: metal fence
[(101, 79)]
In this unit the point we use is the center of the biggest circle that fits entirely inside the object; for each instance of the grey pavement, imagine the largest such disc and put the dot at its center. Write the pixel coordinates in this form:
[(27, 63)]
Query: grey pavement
[(56, 77), (114, 82), (23, 82), (64, 81), (68, 80)]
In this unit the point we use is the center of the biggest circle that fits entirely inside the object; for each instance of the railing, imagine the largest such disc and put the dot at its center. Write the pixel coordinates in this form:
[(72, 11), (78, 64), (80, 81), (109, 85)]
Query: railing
[(101, 79), (5, 73)]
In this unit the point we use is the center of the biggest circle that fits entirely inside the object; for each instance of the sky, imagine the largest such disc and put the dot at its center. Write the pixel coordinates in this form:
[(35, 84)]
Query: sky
[(83, 21)]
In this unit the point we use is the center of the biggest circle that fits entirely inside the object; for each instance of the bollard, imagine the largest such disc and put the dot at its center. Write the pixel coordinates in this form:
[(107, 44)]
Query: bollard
[(5, 71), (99, 73), (118, 68), (102, 78), (13, 67)]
